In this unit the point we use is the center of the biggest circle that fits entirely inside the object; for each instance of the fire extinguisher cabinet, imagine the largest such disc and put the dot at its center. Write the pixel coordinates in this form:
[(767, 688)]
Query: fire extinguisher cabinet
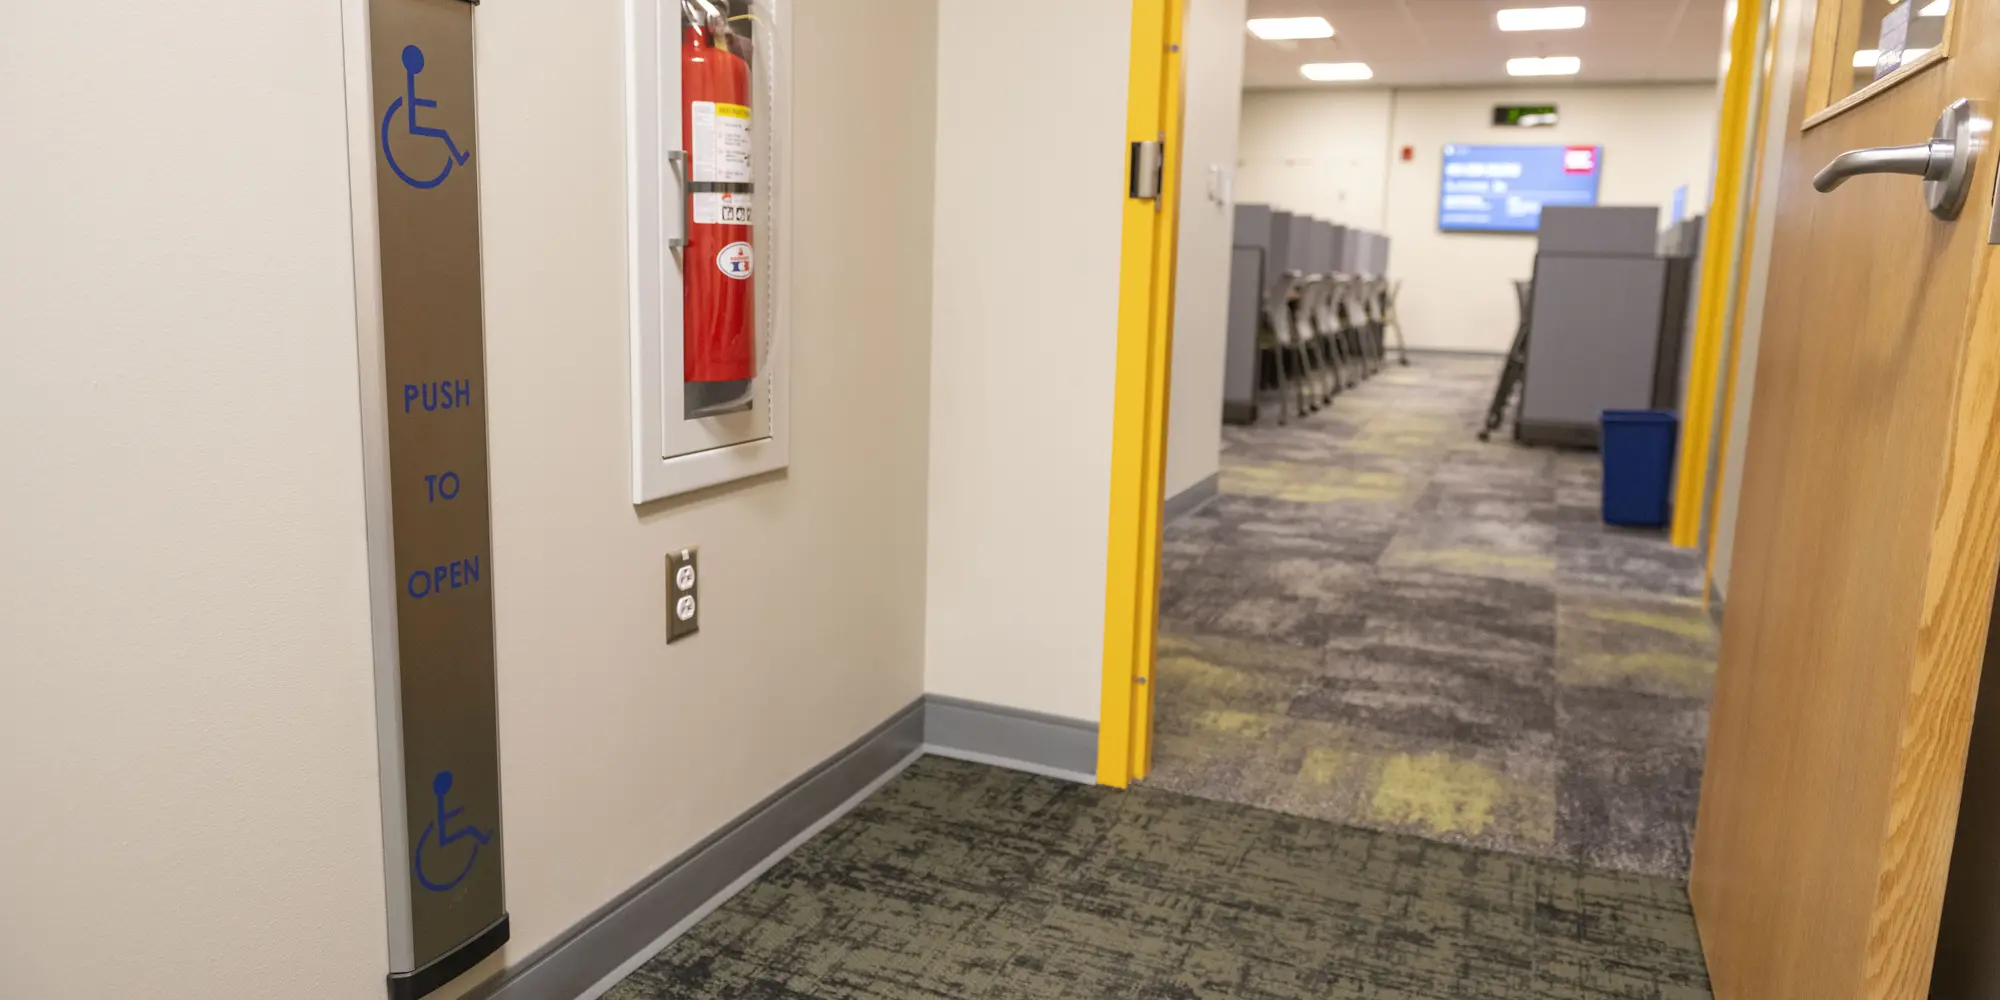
[(708, 117)]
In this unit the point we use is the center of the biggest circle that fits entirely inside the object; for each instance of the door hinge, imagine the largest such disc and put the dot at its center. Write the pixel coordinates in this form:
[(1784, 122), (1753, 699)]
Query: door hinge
[(1149, 165)]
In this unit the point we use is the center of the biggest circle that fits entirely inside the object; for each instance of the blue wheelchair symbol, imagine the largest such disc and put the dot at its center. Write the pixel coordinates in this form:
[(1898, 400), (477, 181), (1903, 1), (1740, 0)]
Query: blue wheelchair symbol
[(413, 63), (440, 787)]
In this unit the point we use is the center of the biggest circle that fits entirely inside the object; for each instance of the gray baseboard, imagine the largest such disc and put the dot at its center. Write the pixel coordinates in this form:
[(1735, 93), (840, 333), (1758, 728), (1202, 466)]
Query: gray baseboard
[(1562, 435), (633, 923), (1187, 500), (1455, 352), (1238, 413), (607, 945), (1011, 737)]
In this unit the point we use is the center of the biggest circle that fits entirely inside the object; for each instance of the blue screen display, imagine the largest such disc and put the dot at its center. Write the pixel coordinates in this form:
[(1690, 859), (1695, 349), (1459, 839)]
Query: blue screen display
[(1502, 189)]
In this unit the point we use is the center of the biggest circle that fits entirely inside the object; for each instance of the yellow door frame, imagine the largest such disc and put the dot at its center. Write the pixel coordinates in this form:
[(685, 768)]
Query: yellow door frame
[(1760, 136), (1724, 210), (1139, 408)]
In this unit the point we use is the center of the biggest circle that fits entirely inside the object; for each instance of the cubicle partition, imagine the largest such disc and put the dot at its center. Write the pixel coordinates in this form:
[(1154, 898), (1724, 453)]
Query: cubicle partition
[(1325, 237), (1272, 249), (1262, 253), (1299, 238), (1605, 325)]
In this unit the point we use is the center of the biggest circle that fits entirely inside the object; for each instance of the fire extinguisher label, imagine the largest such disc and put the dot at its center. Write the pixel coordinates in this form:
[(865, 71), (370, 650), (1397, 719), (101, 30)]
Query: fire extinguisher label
[(734, 261), (725, 209), (721, 140)]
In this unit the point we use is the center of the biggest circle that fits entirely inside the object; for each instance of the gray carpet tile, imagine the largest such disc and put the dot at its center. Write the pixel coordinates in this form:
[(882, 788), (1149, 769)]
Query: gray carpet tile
[(1384, 622), (962, 880)]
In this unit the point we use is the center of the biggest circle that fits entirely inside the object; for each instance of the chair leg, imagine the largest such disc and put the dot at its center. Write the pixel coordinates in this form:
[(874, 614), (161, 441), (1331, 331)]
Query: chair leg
[(1309, 374), (1344, 375), (1284, 382), (1302, 394), (1315, 373)]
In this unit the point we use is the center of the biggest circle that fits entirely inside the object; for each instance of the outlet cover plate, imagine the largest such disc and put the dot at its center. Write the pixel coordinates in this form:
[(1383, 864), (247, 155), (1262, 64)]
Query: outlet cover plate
[(683, 601)]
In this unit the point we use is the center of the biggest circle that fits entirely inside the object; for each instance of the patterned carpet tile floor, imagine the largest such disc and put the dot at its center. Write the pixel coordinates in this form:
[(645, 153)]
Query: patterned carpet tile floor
[(963, 880), (1440, 728), (1384, 622)]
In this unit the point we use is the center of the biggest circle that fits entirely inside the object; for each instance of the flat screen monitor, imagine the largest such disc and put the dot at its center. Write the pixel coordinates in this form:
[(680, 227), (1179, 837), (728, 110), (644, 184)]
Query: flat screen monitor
[(1501, 189)]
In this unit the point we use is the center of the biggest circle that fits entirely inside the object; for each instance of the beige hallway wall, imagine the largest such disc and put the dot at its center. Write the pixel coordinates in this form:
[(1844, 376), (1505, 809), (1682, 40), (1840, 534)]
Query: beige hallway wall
[(617, 751), (1030, 170), (187, 693), (1213, 42), (187, 724)]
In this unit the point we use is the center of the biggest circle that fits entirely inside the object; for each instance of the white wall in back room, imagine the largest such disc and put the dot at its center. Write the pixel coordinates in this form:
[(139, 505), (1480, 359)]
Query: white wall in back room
[(1321, 153), (1209, 126), (1457, 291)]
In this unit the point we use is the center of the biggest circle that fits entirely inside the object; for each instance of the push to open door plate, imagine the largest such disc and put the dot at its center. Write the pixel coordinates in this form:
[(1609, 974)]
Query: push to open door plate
[(1945, 162)]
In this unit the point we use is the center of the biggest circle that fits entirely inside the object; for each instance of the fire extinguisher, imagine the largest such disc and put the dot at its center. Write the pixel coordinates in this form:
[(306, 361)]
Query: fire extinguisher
[(720, 336)]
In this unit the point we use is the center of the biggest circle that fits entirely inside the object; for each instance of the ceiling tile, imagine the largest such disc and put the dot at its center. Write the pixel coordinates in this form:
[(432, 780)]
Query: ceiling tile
[(1439, 42)]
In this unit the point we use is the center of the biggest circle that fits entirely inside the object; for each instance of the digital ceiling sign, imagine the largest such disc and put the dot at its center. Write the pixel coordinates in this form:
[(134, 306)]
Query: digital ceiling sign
[(1501, 189), (1525, 115)]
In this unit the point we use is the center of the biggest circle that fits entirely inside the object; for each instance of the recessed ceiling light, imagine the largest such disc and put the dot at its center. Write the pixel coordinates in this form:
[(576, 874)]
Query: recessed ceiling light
[(1546, 66), (1540, 18), (1324, 72), (1865, 58), (1281, 28), (1936, 8)]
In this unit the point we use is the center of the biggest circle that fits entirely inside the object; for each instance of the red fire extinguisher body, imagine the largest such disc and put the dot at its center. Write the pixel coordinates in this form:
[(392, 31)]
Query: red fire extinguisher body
[(720, 326)]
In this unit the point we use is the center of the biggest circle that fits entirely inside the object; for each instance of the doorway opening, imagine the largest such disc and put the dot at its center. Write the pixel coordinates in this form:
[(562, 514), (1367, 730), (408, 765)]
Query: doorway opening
[(1390, 612)]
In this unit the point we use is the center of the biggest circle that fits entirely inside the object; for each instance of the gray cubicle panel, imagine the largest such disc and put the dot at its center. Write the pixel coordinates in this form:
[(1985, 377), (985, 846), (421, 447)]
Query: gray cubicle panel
[(1339, 263), (1301, 257), (1682, 239), (1692, 229), (1326, 239), (1253, 226), (1261, 248), (1382, 253), (1594, 342), (1604, 328), (1353, 249), (1281, 257), (1583, 229), (1239, 360)]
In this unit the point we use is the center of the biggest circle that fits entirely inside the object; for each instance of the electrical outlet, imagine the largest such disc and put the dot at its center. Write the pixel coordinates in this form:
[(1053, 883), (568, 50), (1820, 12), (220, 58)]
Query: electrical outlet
[(683, 604)]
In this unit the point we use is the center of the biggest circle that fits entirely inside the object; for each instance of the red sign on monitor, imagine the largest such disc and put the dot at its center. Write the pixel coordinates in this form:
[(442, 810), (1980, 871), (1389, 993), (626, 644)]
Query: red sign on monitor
[(1579, 159)]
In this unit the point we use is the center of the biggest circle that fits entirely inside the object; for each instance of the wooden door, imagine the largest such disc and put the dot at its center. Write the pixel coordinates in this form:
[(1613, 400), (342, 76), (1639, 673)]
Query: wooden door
[(1867, 542)]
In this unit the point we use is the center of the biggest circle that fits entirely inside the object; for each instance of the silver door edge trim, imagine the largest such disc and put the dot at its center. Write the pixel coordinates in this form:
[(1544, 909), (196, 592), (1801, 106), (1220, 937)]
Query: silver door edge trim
[(374, 421)]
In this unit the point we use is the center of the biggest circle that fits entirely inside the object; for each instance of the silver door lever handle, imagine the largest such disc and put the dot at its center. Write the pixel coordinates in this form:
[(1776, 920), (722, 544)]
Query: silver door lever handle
[(1929, 160), (1945, 162)]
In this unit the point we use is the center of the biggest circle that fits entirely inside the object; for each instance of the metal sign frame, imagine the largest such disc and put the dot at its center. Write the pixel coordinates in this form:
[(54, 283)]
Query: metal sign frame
[(414, 178)]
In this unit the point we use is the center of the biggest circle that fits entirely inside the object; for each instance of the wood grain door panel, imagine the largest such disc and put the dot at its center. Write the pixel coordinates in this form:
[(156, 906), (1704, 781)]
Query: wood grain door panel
[(1864, 565)]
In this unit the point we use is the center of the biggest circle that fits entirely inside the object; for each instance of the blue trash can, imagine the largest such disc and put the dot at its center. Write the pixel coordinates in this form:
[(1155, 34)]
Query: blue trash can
[(1638, 466)]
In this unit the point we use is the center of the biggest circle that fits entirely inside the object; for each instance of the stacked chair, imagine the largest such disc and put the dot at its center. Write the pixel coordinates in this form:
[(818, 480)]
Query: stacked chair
[(1310, 307)]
